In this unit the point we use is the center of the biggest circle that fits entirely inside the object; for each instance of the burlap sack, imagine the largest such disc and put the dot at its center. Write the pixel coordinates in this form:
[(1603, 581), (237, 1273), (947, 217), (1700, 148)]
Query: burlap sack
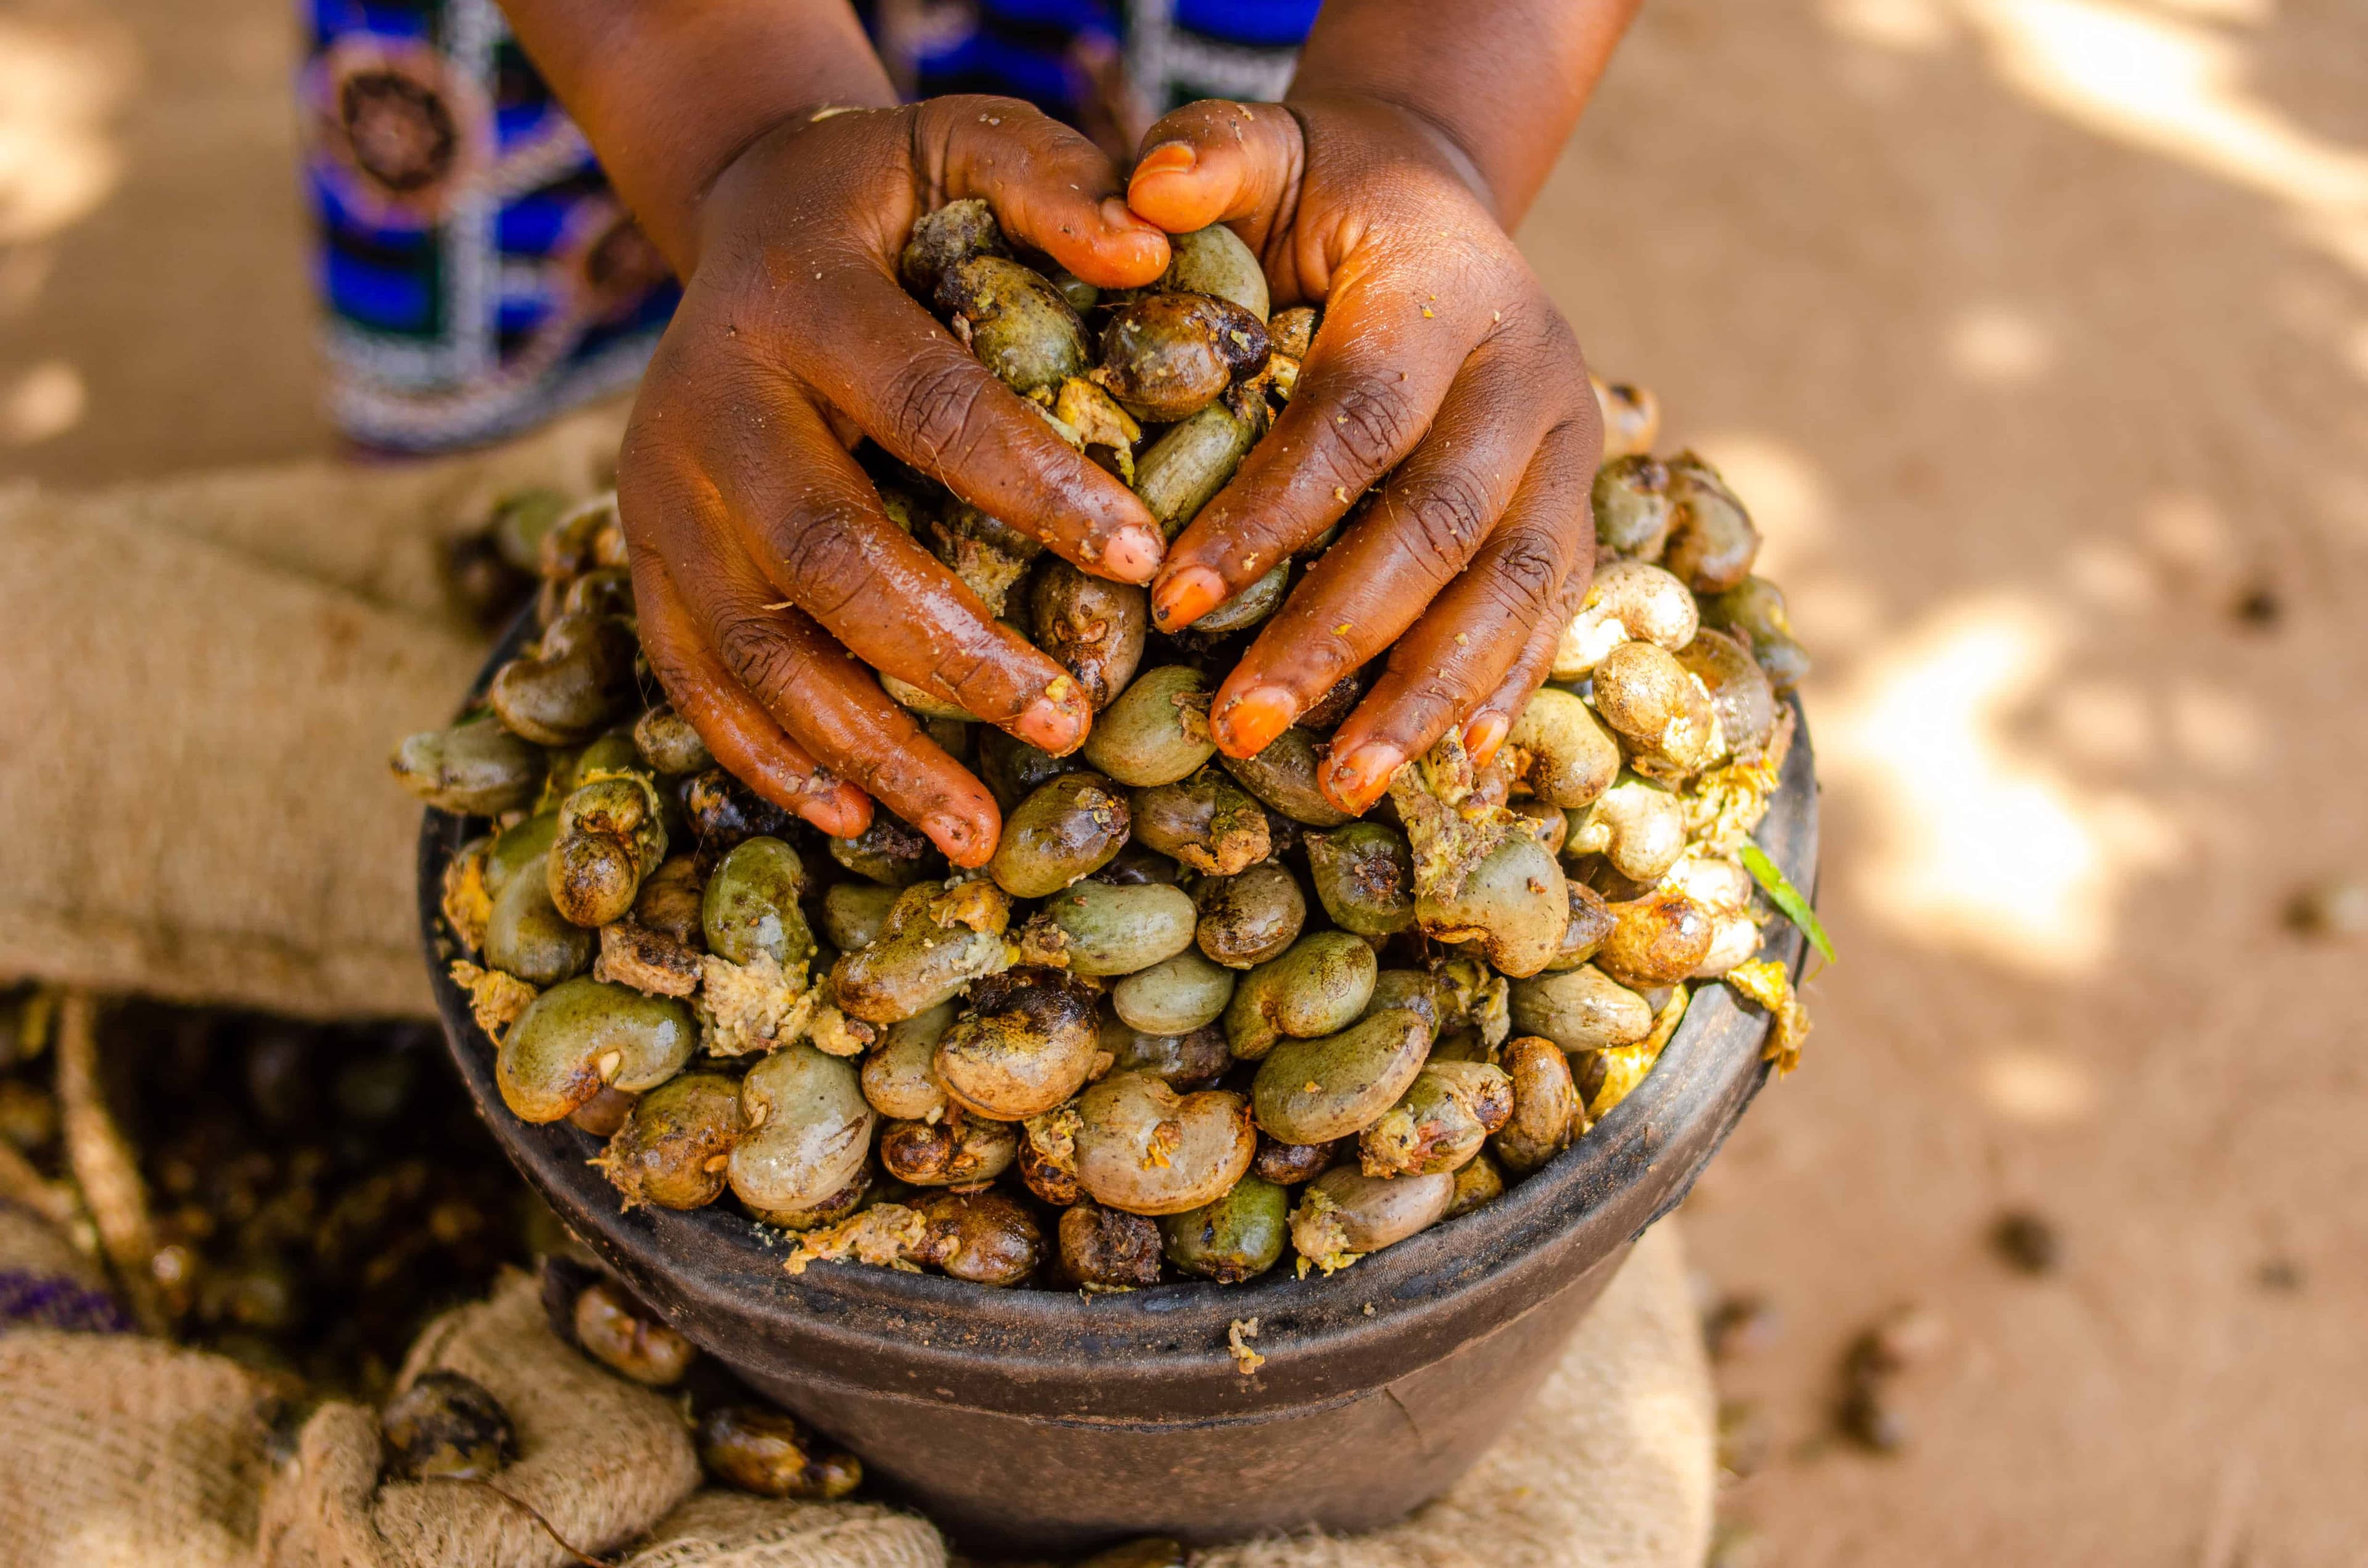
[(122, 1452), (204, 678), (1612, 1467), (600, 1461), (728, 1529), (125, 1453)]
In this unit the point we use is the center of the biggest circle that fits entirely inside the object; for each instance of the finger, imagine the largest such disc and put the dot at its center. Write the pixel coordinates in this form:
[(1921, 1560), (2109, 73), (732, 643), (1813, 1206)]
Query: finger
[(1051, 188), (1419, 530), (738, 732), (1490, 722), (821, 695), (810, 518), (1469, 641), (813, 689), (1219, 162), (882, 361), (1394, 339)]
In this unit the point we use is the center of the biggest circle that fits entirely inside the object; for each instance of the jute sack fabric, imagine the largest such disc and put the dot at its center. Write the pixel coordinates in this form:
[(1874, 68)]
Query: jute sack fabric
[(601, 1459), (125, 1453), (204, 677)]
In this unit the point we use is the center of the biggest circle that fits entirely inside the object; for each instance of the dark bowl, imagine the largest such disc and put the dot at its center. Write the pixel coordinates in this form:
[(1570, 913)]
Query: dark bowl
[(1042, 1421)]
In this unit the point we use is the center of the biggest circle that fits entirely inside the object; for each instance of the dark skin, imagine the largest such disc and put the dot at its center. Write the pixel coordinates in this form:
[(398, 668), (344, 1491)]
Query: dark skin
[(759, 144)]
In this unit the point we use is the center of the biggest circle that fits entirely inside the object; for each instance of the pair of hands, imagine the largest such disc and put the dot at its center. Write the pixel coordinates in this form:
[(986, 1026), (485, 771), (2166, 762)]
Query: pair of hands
[(768, 577)]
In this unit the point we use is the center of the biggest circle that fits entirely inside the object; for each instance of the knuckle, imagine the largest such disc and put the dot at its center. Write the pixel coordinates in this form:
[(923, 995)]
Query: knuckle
[(972, 675), (1524, 577), (1187, 122), (996, 106), (1372, 423), (934, 409), (1452, 515), (754, 651), (674, 675), (897, 776), (827, 557), (1551, 340)]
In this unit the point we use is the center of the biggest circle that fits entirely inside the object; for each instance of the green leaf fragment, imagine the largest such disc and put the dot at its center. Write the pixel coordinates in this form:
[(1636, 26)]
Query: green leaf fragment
[(1786, 897)]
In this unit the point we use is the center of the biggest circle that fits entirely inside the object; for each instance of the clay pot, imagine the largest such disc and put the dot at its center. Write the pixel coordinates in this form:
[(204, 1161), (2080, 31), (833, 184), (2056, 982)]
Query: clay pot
[(1039, 1421)]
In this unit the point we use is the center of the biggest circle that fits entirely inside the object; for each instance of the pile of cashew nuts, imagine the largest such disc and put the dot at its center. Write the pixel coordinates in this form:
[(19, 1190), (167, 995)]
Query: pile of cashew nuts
[(1190, 1020)]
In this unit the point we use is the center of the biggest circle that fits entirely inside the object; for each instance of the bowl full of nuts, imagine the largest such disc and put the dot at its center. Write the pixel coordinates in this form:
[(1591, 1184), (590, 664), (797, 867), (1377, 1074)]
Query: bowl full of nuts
[(1208, 1162)]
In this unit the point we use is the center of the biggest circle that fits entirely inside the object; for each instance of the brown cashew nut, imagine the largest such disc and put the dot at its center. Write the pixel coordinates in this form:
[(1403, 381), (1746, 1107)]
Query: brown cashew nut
[(1145, 1149), (575, 679)]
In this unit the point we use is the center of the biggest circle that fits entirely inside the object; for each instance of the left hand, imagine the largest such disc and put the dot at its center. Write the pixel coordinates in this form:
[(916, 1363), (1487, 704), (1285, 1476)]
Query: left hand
[(1442, 378)]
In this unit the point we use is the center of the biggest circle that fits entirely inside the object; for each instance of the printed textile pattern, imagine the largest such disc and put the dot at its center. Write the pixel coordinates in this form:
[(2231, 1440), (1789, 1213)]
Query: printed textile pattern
[(476, 274)]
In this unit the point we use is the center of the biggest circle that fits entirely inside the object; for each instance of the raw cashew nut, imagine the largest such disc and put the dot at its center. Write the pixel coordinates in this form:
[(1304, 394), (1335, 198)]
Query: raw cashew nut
[(1630, 601)]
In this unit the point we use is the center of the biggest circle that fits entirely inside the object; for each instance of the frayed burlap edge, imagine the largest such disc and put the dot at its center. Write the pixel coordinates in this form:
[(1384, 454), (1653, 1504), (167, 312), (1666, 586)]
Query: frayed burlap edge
[(600, 1461)]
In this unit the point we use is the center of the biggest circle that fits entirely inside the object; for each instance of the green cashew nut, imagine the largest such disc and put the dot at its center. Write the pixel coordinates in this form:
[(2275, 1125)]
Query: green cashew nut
[(585, 1035)]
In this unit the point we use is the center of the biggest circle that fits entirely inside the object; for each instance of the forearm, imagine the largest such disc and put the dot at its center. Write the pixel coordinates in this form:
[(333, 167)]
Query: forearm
[(669, 91), (1500, 82)]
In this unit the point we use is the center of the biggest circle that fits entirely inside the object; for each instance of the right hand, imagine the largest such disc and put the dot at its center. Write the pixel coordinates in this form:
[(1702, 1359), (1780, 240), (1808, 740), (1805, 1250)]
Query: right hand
[(767, 574)]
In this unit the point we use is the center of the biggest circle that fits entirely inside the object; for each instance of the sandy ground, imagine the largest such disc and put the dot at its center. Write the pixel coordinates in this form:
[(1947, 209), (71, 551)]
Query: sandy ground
[(2036, 331)]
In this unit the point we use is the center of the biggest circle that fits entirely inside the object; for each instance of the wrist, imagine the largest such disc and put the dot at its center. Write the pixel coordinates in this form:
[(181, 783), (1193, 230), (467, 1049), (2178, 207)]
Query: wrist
[(1543, 55), (1380, 119), (671, 95)]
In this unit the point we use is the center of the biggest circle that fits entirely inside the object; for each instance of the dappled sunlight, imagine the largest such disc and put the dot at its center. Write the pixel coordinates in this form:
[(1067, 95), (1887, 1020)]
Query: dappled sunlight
[(2228, 13), (58, 91), (2105, 724), (1979, 844), (2000, 344), (1980, 757), (2190, 538), (2035, 1088), (2162, 77), (2215, 731), (1910, 26), (2355, 349), (1795, 506), (44, 401), (2109, 574)]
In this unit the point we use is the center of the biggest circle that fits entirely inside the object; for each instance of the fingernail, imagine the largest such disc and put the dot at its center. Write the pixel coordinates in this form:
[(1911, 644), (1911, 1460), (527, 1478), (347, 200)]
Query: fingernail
[(1186, 596), (959, 837), (1248, 724), (1484, 735), (1358, 779), (841, 810), (1117, 214), (1056, 723), (1168, 158), (1133, 553)]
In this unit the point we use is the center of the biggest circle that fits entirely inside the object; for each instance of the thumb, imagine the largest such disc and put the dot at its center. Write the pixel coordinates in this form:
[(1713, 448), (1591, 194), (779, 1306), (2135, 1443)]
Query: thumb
[(1219, 162), (1052, 190)]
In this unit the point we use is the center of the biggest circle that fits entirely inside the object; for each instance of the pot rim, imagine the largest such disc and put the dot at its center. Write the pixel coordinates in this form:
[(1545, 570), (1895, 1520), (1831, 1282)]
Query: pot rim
[(717, 1258)]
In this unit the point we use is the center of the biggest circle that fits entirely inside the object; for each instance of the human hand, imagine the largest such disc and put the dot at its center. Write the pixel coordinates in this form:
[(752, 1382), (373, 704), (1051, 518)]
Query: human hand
[(767, 574), (1442, 377)]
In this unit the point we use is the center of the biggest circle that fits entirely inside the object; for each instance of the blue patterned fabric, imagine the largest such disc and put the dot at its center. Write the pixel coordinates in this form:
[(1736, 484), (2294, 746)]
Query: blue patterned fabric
[(477, 275)]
